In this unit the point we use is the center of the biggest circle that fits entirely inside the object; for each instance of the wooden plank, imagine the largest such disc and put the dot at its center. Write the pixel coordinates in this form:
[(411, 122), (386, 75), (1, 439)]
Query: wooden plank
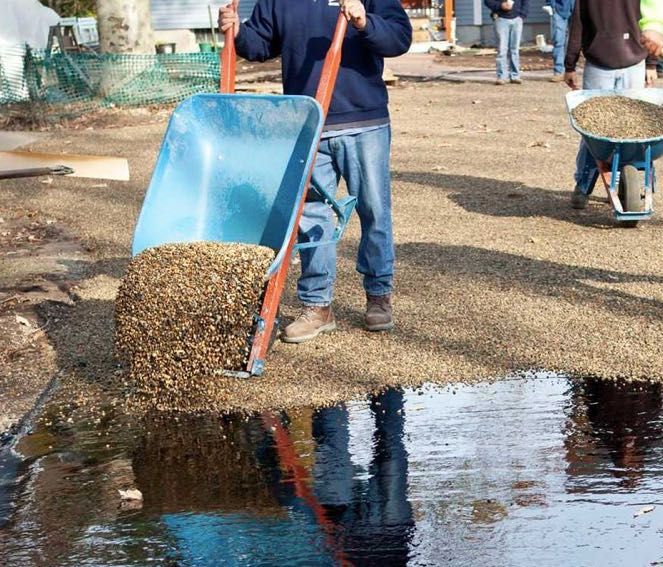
[(95, 167)]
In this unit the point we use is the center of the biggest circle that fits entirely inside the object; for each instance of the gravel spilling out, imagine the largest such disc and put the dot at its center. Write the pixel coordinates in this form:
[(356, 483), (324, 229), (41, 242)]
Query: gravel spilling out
[(184, 313), (619, 117)]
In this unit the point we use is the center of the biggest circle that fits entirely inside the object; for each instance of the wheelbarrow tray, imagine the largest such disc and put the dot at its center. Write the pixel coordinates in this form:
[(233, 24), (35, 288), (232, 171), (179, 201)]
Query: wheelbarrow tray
[(235, 168), (602, 148), (232, 168)]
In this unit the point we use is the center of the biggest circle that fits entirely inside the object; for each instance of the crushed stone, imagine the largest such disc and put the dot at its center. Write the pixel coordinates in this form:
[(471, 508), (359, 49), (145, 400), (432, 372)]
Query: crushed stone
[(619, 117), (184, 313)]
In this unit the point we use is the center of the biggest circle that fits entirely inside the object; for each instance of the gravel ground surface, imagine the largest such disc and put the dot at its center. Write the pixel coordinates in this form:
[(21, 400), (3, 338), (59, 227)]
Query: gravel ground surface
[(495, 271)]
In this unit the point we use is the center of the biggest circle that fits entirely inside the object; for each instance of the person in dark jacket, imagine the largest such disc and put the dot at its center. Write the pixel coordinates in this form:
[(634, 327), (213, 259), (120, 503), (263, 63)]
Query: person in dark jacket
[(561, 11), (508, 16), (355, 143), (607, 32)]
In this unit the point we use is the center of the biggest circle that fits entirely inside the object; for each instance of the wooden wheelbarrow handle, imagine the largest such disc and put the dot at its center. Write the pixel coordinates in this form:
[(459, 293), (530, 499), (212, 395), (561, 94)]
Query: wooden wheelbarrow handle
[(228, 61), (331, 66), (272, 299)]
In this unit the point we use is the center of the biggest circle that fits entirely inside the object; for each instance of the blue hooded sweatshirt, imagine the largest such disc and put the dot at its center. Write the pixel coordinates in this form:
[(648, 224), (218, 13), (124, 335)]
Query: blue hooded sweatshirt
[(300, 31), (520, 9)]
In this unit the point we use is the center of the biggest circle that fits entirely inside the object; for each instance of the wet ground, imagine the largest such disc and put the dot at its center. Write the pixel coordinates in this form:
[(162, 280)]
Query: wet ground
[(540, 469)]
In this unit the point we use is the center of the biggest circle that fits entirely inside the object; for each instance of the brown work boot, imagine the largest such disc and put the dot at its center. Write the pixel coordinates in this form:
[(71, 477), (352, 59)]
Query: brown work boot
[(311, 322), (378, 316)]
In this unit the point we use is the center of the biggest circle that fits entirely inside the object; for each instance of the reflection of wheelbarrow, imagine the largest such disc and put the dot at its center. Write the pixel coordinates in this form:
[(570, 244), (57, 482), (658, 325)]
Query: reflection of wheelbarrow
[(236, 168), (621, 161)]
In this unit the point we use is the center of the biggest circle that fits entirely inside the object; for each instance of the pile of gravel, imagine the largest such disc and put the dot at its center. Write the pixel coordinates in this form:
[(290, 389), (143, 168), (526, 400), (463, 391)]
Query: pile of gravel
[(619, 117), (184, 313)]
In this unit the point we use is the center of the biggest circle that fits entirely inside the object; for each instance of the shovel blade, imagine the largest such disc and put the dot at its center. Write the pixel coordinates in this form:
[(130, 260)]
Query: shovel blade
[(94, 167)]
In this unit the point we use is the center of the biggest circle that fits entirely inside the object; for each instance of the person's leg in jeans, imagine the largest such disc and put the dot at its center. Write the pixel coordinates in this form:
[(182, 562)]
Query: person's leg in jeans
[(363, 160), (560, 27), (315, 285), (515, 34), (333, 471), (502, 39), (632, 77)]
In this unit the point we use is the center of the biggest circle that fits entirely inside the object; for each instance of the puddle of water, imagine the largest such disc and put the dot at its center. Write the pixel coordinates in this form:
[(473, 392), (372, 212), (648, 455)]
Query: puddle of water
[(543, 470)]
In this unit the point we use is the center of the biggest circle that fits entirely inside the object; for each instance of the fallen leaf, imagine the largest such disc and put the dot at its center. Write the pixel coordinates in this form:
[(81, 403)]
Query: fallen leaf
[(131, 494), (46, 181), (538, 144), (23, 321), (644, 510)]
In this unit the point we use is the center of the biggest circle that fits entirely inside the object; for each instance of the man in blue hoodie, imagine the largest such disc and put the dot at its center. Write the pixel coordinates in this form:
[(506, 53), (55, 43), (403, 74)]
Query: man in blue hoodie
[(561, 11), (355, 143), (508, 16)]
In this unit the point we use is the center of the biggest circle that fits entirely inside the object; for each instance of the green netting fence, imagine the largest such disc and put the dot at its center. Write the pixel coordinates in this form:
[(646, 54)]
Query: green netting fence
[(44, 86)]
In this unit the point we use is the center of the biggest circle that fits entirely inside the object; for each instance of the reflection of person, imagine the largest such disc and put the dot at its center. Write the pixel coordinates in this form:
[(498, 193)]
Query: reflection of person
[(614, 60), (355, 144), (508, 16), (652, 26), (560, 11), (374, 516), (623, 420)]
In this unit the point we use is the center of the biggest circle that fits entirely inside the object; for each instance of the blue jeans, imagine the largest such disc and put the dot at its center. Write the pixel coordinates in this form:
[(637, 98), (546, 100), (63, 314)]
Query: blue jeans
[(363, 161), (595, 77), (508, 33), (560, 27)]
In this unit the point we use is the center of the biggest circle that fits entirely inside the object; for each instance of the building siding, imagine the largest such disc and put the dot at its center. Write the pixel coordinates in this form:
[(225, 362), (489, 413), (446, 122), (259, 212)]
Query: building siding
[(464, 11), (189, 14)]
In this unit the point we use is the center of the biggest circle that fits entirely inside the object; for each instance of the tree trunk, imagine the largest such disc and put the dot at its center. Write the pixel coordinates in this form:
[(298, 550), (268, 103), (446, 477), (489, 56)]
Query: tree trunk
[(125, 26)]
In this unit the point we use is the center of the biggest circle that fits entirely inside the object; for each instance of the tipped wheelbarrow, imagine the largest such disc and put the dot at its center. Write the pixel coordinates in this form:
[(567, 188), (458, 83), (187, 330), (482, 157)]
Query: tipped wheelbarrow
[(237, 168), (626, 166)]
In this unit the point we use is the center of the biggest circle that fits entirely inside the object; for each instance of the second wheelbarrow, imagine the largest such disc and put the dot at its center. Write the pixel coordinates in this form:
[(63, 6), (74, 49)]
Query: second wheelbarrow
[(237, 168), (623, 162)]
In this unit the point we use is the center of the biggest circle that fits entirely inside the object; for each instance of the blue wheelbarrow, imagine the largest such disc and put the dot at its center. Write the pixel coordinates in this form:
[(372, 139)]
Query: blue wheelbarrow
[(625, 166), (237, 168)]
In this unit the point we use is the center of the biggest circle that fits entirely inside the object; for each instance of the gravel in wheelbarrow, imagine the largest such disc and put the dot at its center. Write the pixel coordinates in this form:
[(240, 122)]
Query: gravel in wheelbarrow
[(619, 117), (184, 313)]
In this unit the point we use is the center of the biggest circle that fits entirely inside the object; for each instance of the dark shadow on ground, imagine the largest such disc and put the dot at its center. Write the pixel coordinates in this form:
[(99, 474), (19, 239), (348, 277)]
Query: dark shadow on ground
[(532, 276), (82, 333), (498, 198), (507, 271)]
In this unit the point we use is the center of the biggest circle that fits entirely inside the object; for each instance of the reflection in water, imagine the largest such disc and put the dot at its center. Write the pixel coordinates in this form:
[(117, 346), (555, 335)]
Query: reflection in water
[(614, 426), (275, 506), (544, 470)]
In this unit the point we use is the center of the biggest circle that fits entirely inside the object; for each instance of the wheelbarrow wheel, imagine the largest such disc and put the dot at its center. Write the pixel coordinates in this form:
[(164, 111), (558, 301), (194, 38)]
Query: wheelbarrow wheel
[(630, 193)]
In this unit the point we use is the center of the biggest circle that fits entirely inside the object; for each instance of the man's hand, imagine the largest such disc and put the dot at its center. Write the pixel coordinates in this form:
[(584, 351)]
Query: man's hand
[(650, 78), (354, 12), (506, 6), (229, 17), (571, 79), (653, 42)]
